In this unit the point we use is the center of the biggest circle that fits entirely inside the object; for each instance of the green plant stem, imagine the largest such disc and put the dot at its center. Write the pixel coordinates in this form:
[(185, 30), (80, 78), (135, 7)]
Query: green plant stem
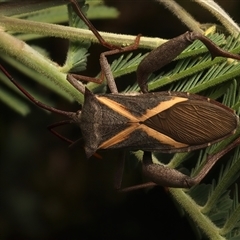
[(177, 159), (74, 34), (9, 9), (182, 14), (192, 208), (28, 56), (221, 15), (197, 68)]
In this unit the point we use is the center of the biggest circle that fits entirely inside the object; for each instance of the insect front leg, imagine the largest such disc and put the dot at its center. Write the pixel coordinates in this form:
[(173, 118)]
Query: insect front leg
[(80, 14), (105, 69)]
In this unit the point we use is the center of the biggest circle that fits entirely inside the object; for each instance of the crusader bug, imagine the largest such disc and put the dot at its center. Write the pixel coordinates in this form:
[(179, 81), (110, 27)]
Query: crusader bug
[(161, 121)]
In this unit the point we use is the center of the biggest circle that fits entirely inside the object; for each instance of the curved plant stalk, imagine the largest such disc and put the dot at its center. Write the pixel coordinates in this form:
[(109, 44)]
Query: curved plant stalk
[(184, 16), (221, 15), (30, 57), (71, 33), (211, 6)]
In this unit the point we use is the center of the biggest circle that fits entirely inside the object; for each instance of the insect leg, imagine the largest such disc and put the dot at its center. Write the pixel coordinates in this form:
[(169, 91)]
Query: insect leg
[(105, 69), (162, 175), (138, 187), (32, 99), (79, 12), (119, 177), (74, 80), (165, 53), (211, 160), (168, 177)]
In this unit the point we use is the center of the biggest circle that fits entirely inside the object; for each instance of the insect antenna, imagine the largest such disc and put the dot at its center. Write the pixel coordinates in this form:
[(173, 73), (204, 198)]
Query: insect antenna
[(35, 101), (73, 116)]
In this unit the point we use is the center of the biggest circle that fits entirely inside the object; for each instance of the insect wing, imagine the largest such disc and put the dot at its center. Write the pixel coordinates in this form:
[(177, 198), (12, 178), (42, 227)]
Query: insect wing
[(194, 122)]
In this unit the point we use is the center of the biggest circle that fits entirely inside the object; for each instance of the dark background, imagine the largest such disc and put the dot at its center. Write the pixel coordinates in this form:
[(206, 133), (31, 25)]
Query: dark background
[(50, 191)]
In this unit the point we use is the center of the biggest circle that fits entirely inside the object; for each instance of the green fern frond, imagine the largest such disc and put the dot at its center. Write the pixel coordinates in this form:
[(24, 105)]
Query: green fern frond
[(192, 71), (76, 60), (126, 65)]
